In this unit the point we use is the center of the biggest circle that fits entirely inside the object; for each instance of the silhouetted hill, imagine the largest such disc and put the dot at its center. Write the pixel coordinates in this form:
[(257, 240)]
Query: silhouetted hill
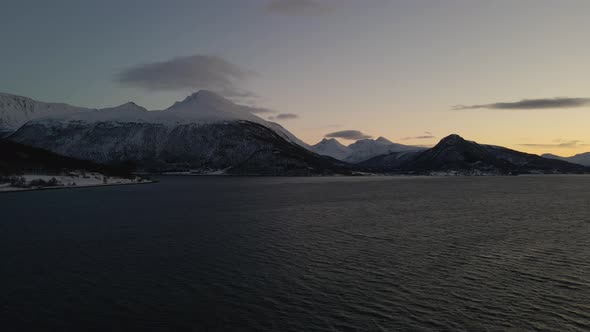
[(455, 154), (17, 158)]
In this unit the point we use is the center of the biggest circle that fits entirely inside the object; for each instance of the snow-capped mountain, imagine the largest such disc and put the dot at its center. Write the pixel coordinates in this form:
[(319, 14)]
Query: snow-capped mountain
[(360, 150), (331, 147), (455, 154), (15, 111), (366, 149), (204, 132), (580, 159)]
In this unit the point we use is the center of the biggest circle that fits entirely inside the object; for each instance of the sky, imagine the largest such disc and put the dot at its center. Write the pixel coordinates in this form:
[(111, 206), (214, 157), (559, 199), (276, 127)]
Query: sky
[(507, 72)]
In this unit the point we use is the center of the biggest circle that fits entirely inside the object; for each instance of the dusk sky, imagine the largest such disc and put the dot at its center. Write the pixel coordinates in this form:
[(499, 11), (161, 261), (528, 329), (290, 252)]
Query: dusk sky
[(506, 72)]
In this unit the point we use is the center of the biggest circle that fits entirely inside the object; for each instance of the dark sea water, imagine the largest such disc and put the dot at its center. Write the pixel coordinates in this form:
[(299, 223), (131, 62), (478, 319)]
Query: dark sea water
[(299, 254)]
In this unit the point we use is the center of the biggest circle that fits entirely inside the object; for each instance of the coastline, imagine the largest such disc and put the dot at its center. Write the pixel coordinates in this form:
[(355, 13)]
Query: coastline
[(9, 189)]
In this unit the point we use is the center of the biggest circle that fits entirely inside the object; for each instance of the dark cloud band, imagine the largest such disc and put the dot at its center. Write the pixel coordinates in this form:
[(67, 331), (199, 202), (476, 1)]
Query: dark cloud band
[(565, 144), (195, 72), (418, 137), (348, 134), (529, 104), (260, 110), (284, 116), (300, 7)]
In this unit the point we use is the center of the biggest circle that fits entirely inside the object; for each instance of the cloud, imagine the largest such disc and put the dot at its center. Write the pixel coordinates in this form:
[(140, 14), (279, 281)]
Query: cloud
[(260, 110), (418, 137), (348, 134), (301, 7), (284, 116), (195, 72), (529, 104), (560, 144)]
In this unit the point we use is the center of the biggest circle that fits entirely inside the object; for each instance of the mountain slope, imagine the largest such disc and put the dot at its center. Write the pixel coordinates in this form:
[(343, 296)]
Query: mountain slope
[(204, 133), (18, 158), (455, 154), (580, 159), (391, 162), (16, 111)]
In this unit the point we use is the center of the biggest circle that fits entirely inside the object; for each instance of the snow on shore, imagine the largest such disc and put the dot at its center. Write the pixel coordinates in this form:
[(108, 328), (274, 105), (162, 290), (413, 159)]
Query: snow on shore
[(69, 180)]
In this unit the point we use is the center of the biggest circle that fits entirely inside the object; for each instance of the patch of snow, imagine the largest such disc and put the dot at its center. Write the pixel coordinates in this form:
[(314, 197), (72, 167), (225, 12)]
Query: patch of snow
[(71, 179), (205, 171), (474, 172)]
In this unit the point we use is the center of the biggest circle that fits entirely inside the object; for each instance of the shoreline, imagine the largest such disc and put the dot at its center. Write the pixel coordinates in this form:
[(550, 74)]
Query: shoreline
[(16, 189)]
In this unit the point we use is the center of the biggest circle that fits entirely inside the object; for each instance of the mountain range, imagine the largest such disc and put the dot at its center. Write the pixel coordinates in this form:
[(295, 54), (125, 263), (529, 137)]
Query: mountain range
[(360, 150), (208, 134), (581, 159), (204, 133), (455, 155)]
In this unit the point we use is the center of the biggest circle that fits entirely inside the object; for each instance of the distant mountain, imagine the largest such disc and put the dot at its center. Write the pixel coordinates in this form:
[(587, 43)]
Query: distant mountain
[(15, 111), (331, 147), (361, 150), (457, 155), (580, 159), (368, 148), (205, 133)]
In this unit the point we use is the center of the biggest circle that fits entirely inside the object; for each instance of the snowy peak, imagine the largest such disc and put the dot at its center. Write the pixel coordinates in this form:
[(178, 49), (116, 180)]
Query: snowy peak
[(130, 106), (15, 111), (383, 140), (202, 98), (360, 150), (209, 107), (330, 141), (332, 148)]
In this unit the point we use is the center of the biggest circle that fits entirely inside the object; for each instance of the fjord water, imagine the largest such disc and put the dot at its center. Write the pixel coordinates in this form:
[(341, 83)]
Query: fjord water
[(293, 254)]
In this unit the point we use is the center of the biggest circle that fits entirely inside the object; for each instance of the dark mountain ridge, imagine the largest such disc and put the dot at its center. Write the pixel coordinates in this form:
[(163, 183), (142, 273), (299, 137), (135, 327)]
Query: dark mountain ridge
[(455, 154), (18, 158)]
